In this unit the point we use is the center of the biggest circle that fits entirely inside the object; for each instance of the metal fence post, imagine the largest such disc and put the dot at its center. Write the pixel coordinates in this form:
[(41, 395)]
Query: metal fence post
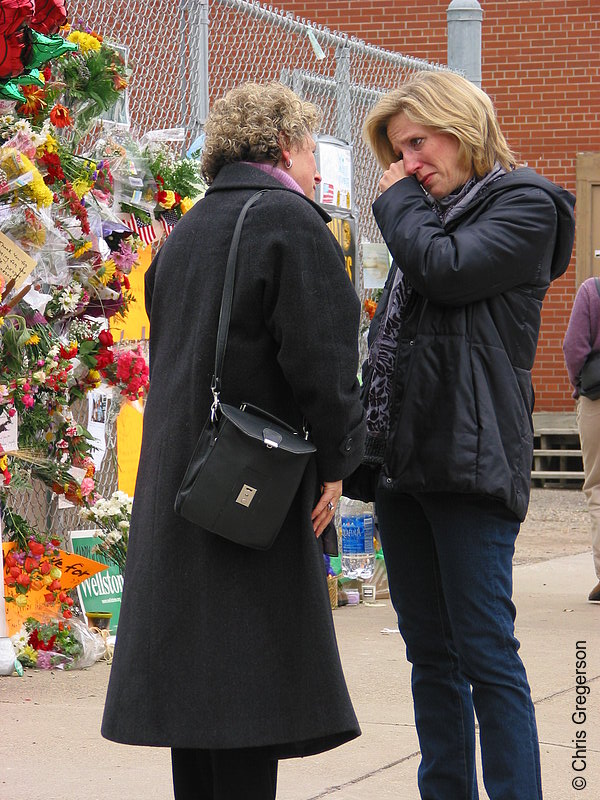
[(464, 38), (343, 128), (197, 73)]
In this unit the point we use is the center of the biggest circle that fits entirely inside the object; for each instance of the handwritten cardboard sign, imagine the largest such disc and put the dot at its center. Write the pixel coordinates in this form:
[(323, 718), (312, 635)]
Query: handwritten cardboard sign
[(14, 262)]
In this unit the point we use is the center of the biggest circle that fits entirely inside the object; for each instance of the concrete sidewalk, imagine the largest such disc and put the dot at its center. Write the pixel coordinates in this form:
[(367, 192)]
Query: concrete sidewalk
[(50, 743)]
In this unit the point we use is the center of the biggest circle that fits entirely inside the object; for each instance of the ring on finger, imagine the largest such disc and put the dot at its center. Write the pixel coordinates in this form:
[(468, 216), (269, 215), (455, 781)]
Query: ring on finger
[(330, 506)]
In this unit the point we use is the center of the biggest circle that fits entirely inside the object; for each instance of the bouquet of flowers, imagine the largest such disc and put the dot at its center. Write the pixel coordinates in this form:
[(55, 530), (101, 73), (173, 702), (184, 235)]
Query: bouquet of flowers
[(56, 644), (29, 564), (46, 645), (112, 517)]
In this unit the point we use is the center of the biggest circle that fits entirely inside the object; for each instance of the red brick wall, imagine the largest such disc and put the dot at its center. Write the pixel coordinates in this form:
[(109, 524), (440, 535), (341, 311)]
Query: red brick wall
[(541, 66)]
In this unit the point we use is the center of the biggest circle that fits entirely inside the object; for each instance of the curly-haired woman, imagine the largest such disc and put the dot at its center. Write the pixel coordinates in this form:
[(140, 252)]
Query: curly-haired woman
[(227, 655)]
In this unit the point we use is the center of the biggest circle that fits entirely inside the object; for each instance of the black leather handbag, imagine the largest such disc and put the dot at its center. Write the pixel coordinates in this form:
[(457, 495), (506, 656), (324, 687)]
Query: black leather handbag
[(589, 377), (247, 465)]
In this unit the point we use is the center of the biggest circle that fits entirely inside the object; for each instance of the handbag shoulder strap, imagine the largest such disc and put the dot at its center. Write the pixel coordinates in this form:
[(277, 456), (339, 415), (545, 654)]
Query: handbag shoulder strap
[(227, 298)]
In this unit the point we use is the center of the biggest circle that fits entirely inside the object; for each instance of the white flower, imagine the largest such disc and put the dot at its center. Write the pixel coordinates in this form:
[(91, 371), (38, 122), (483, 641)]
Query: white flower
[(20, 640)]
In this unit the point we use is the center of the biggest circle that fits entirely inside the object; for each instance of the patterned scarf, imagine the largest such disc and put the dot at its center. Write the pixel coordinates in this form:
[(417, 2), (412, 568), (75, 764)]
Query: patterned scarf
[(382, 353)]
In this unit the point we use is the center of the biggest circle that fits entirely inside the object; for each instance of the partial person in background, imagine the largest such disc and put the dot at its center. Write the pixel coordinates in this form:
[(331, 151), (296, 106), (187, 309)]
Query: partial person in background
[(582, 338), (224, 654), (476, 243)]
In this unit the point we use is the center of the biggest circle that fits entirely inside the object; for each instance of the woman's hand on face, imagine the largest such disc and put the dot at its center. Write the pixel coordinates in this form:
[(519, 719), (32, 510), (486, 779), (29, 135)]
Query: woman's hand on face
[(324, 511), (392, 175)]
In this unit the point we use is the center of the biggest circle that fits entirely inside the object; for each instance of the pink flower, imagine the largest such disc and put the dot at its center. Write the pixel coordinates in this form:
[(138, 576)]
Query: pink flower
[(28, 401), (87, 486)]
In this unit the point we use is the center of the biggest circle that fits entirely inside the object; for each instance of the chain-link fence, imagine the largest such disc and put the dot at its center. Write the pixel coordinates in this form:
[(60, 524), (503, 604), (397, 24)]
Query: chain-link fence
[(185, 53)]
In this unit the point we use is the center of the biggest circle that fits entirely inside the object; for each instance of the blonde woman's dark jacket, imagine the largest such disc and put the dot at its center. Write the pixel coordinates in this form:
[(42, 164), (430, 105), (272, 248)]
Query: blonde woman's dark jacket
[(462, 395)]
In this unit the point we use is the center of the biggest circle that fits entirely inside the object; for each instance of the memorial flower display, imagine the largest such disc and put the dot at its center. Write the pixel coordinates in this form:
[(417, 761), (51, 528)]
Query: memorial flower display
[(112, 517), (66, 251)]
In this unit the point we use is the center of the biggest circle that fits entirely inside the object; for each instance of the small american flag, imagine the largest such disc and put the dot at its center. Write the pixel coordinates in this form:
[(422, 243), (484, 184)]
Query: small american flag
[(327, 193), (168, 219), (146, 232)]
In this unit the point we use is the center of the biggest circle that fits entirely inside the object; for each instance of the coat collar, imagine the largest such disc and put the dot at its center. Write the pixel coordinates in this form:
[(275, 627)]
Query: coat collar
[(239, 177)]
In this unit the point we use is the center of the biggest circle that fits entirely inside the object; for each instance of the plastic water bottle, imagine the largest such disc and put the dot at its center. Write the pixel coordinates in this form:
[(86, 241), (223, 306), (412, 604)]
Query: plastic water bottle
[(358, 551)]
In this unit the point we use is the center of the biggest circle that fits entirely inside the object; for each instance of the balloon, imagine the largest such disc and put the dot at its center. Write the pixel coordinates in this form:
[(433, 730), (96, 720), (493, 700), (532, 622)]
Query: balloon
[(43, 48), (14, 14), (9, 91), (49, 15), (11, 51)]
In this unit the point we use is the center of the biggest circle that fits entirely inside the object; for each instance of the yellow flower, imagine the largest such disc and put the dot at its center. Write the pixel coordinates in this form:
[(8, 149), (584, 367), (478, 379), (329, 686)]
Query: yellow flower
[(83, 249), (51, 144), (1, 321), (81, 186), (36, 188), (21, 600), (168, 199), (33, 339), (186, 204), (3, 463), (84, 41), (30, 653), (94, 377), (107, 271)]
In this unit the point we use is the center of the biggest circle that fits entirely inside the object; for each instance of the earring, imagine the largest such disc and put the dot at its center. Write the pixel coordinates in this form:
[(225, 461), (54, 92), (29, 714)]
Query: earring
[(289, 163)]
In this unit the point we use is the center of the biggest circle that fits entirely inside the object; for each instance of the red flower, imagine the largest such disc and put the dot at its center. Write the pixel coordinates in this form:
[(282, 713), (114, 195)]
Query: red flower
[(68, 354), (106, 338), (59, 116), (54, 168), (31, 564), (37, 548), (45, 567), (39, 644), (104, 358), (67, 614), (35, 101), (24, 579)]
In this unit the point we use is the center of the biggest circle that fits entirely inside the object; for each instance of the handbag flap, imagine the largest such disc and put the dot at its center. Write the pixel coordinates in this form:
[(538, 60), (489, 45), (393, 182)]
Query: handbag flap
[(266, 431)]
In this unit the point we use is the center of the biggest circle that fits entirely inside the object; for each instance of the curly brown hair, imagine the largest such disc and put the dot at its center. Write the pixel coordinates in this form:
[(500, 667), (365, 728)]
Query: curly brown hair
[(251, 122)]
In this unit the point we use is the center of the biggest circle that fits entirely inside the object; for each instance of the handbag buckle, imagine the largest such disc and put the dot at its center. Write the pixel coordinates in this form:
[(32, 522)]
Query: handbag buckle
[(271, 438), (216, 401)]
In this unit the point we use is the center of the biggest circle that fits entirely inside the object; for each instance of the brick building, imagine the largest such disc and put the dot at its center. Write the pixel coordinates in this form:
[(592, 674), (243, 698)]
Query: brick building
[(541, 66)]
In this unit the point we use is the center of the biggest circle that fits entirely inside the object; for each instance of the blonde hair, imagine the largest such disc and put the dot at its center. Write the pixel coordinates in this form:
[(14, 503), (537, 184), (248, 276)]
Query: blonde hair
[(450, 104), (250, 123)]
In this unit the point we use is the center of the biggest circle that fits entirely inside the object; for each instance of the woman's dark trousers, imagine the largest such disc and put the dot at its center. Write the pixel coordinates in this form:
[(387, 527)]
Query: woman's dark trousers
[(449, 563), (245, 774)]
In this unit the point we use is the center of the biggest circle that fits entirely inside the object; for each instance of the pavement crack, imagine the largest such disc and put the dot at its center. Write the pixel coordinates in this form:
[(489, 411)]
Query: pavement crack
[(331, 789), (568, 690)]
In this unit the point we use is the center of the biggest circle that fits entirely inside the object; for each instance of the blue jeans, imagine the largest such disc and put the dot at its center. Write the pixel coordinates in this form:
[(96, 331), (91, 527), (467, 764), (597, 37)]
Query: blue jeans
[(449, 563)]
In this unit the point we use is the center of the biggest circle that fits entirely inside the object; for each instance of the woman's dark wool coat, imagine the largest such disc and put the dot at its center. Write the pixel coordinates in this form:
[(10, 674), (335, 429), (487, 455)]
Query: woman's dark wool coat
[(219, 646)]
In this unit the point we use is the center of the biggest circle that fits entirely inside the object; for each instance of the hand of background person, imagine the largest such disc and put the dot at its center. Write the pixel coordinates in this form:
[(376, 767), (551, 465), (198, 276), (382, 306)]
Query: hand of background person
[(392, 175), (323, 513)]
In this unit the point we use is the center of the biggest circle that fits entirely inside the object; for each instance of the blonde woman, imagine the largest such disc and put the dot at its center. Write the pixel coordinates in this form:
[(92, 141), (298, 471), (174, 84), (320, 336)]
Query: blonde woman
[(224, 654), (476, 242)]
